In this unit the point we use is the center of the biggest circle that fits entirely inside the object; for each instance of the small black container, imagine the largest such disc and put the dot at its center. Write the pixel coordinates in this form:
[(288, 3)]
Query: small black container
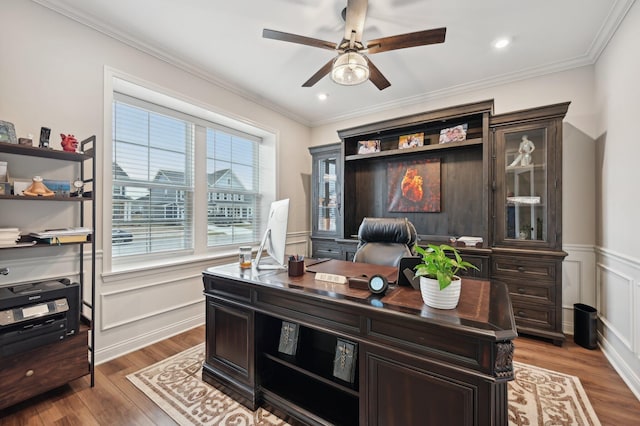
[(584, 326), (296, 268)]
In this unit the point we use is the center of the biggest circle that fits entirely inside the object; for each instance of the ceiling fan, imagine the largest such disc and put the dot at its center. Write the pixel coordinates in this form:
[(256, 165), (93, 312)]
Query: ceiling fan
[(351, 66)]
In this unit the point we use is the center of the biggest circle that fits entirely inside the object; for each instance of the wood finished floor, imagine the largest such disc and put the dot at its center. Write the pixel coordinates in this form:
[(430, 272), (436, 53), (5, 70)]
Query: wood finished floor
[(115, 401)]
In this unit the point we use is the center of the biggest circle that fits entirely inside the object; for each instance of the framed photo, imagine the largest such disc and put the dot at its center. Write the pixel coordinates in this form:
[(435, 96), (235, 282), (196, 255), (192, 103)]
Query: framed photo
[(411, 141), (62, 188), (367, 147), (7, 132), (454, 134)]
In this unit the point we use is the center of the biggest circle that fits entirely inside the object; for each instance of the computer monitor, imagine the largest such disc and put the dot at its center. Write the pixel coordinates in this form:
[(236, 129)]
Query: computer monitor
[(275, 236)]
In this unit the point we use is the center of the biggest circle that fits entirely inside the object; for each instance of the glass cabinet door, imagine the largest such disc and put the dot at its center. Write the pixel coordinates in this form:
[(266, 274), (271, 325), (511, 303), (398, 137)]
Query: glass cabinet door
[(524, 169), (326, 183), (327, 203)]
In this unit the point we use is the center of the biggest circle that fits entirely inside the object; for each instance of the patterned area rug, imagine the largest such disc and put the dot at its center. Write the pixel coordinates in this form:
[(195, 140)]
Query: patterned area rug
[(536, 396)]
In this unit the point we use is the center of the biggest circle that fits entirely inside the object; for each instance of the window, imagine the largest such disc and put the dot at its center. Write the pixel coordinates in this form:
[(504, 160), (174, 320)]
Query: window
[(154, 172), (232, 181)]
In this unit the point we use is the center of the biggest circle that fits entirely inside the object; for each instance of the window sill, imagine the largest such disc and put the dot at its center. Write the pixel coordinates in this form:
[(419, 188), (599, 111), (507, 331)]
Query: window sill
[(126, 270)]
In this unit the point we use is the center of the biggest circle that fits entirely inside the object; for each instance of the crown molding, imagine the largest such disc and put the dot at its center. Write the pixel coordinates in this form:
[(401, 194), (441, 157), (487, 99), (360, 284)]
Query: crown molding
[(615, 17), (609, 27), (127, 39)]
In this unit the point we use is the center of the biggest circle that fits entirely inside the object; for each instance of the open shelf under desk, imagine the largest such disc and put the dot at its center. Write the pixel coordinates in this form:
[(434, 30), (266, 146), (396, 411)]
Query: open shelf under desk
[(287, 388), (318, 367)]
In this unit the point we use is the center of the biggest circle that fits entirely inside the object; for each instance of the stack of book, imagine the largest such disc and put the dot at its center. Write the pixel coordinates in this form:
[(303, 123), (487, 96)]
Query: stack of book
[(9, 237), (63, 235)]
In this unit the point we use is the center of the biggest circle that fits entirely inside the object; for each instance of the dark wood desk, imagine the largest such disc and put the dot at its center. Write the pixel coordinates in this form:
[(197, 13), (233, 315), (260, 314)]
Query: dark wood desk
[(415, 365)]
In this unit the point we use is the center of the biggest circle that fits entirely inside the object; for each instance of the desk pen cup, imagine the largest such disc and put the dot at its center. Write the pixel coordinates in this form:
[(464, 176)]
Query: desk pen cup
[(296, 267)]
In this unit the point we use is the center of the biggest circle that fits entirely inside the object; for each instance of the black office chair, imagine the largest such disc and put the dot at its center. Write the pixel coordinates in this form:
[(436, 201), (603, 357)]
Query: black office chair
[(384, 241)]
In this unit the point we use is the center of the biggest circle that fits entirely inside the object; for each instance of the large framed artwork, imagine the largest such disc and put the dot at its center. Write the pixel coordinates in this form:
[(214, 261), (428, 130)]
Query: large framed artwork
[(414, 186)]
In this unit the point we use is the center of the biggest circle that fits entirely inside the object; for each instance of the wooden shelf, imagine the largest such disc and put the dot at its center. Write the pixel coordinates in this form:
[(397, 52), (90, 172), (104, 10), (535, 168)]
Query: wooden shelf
[(32, 151), (31, 198), (322, 363), (433, 147), (314, 398)]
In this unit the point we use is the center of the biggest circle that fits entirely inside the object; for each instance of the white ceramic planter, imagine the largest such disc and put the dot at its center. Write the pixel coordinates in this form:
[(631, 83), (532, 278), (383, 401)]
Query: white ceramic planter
[(440, 299)]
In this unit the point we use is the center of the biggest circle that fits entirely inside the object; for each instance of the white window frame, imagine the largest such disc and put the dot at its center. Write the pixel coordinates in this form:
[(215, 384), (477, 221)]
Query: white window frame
[(135, 87)]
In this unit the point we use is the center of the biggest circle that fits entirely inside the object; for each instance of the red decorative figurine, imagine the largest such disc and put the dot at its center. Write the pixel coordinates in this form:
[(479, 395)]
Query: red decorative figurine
[(69, 142)]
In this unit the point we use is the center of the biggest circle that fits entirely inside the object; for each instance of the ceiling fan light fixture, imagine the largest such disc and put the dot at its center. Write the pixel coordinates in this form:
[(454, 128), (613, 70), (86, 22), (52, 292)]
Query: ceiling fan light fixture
[(349, 69)]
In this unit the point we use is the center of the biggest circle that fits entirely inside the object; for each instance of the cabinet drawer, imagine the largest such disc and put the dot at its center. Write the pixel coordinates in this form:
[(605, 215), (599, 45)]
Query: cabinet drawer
[(30, 373), (523, 268), (543, 293), (538, 317), (326, 249)]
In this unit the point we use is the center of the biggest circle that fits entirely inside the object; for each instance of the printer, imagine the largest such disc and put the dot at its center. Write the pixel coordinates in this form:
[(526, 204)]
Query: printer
[(36, 314)]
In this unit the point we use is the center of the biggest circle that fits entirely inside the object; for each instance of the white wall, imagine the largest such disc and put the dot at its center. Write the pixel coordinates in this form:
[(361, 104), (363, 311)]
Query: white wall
[(618, 208), (52, 75)]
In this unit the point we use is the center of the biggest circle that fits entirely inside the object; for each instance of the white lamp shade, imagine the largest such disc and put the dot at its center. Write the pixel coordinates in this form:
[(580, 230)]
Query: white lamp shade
[(349, 69)]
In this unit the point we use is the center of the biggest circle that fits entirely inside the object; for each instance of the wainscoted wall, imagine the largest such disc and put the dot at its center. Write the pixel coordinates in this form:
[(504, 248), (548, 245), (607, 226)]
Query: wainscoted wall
[(138, 308), (578, 281), (618, 305)]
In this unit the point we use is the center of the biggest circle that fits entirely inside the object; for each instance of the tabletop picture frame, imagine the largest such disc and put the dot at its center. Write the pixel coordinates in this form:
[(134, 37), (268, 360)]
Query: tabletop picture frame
[(7, 132)]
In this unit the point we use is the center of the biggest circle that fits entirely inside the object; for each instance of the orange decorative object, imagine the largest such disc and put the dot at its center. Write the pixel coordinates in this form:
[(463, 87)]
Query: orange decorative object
[(69, 142), (38, 189)]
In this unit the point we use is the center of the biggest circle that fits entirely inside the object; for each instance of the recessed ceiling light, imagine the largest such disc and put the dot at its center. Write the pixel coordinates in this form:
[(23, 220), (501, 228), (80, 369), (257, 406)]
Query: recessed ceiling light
[(322, 96), (501, 43)]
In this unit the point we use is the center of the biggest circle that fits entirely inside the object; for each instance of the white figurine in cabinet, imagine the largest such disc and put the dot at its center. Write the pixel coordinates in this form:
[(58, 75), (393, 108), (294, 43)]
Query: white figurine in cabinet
[(524, 153)]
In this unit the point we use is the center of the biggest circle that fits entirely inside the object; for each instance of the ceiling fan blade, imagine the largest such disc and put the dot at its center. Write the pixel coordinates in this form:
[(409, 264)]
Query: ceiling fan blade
[(354, 22), (376, 77), (318, 75), (419, 38), (294, 38)]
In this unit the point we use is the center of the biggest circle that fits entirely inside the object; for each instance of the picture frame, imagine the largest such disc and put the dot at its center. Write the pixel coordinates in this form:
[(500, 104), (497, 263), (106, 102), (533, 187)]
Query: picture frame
[(454, 134), (288, 343), (368, 147), (62, 188), (411, 141), (344, 362), (7, 132)]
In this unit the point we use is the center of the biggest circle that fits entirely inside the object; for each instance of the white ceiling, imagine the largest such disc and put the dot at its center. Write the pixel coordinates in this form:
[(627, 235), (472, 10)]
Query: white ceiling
[(221, 40)]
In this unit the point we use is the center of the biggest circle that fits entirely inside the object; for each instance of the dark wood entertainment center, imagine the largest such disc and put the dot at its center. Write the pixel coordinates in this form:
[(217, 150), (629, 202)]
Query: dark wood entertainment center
[(486, 191), (414, 364)]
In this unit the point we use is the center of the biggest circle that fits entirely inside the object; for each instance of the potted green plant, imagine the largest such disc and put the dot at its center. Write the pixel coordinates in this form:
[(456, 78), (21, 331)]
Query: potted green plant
[(439, 284)]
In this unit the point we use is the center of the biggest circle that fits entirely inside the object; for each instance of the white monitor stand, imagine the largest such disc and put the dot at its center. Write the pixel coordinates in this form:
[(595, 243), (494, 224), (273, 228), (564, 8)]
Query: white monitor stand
[(275, 236), (257, 262)]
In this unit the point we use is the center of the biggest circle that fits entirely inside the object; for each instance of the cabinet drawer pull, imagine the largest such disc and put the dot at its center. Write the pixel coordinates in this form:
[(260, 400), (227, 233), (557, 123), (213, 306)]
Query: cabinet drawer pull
[(522, 290), (29, 373), (521, 314), (520, 269)]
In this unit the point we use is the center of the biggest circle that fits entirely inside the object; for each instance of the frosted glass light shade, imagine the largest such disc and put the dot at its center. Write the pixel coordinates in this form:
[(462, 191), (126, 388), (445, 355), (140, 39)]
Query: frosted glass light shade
[(349, 69)]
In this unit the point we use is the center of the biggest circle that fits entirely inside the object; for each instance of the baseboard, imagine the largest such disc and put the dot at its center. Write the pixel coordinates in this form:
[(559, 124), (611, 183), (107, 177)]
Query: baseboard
[(629, 376), (103, 355)]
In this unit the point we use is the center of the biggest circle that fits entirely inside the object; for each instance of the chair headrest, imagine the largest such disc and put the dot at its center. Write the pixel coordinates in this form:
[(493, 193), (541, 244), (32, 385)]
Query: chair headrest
[(387, 230)]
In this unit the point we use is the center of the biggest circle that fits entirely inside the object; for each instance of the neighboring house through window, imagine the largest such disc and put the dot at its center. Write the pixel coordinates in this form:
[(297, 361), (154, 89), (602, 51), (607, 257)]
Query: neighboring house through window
[(154, 190)]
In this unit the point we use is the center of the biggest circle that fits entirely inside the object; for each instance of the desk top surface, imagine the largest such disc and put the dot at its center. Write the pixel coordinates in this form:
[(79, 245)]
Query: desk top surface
[(483, 305)]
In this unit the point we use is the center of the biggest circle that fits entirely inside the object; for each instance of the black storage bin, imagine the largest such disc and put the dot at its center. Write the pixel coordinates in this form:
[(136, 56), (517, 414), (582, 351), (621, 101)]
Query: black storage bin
[(584, 325)]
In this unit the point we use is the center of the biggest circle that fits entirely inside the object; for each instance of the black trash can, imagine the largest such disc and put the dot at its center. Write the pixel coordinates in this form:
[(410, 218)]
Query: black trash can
[(584, 326)]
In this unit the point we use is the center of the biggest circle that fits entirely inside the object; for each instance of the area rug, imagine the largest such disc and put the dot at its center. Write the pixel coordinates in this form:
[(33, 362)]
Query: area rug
[(536, 396)]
